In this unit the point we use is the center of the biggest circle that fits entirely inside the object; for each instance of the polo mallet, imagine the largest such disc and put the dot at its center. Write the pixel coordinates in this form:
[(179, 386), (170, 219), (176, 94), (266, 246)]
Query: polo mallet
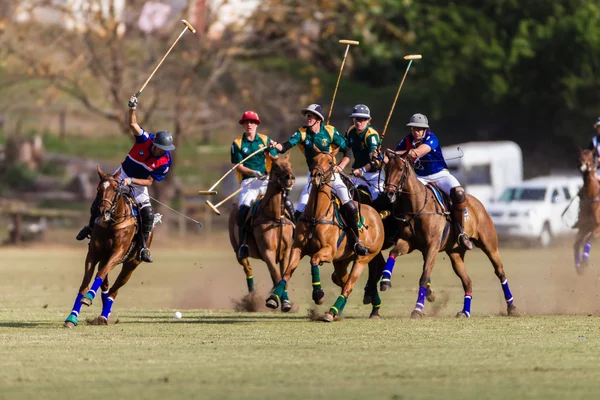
[(215, 207), (410, 57), (211, 191), (189, 27), (348, 43)]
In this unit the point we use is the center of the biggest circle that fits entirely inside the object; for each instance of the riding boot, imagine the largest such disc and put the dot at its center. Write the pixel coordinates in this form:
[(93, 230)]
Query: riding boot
[(147, 215), (86, 232), (289, 206), (243, 251), (459, 216), (351, 218), (297, 215), (382, 205)]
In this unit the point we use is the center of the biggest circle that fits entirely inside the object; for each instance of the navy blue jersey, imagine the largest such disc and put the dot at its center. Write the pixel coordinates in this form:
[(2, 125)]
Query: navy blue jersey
[(431, 162), (140, 163)]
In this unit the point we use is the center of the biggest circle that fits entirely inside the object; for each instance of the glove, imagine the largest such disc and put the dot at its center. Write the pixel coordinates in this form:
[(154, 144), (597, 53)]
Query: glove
[(133, 101), (258, 174)]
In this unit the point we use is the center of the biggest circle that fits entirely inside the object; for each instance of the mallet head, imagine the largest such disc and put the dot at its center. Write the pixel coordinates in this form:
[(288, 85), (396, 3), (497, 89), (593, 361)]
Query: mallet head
[(212, 207), (352, 42), (207, 192), (413, 57), (189, 26)]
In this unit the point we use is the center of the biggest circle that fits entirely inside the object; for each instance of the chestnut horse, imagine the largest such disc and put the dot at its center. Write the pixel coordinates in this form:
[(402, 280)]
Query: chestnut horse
[(589, 210), (319, 235), (112, 243), (423, 225), (270, 237)]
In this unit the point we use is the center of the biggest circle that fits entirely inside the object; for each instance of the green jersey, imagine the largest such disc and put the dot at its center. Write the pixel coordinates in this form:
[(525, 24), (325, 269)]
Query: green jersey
[(242, 147), (325, 140), (362, 144)]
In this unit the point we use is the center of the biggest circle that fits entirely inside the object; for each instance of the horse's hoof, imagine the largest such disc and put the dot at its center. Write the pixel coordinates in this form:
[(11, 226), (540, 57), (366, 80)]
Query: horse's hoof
[(579, 269), (367, 299), (272, 302), (512, 311), (318, 296), (286, 306), (462, 314), (71, 321), (430, 295), (385, 285), (375, 316), (86, 301), (416, 314), (328, 317)]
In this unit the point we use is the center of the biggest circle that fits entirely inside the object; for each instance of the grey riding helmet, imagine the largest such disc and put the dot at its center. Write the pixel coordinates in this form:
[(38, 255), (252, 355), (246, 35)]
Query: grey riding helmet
[(418, 121), (315, 109), (360, 111), (163, 140)]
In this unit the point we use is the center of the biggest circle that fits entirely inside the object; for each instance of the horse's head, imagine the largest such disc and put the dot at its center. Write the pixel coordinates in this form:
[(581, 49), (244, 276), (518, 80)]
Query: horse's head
[(397, 171), (108, 193), (281, 172), (322, 167), (586, 161)]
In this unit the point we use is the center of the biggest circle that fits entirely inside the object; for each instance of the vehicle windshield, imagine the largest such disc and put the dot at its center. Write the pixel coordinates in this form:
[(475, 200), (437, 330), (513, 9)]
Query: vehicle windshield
[(523, 194)]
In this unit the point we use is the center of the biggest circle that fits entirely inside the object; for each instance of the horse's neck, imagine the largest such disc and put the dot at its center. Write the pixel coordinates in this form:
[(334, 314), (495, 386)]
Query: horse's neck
[(122, 208), (413, 193), (273, 199), (591, 184), (322, 198)]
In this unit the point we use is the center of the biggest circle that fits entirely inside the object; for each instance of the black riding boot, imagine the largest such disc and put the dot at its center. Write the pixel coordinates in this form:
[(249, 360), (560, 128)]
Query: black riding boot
[(297, 215), (147, 214), (86, 232), (289, 206), (351, 217), (242, 213), (459, 200)]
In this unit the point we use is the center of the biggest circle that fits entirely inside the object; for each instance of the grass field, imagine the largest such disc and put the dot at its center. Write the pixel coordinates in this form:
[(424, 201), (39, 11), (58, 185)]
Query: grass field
[(552, 352)]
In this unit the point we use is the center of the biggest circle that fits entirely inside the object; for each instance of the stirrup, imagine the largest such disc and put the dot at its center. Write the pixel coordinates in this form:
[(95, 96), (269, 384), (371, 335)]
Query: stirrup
[(360, 249), (243, 251), (145, 255), (85, 233), (384, 214), (463, 239)]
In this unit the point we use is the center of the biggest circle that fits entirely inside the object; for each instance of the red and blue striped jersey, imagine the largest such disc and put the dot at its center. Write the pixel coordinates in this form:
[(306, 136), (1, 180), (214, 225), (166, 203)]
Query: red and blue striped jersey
[(140, 163)]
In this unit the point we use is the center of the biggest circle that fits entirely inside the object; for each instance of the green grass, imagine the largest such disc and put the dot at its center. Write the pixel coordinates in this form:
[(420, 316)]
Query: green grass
[(215, 352)]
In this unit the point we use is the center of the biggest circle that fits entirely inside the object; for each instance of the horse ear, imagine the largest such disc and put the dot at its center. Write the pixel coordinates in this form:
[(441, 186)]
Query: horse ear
[(118, 174), (100, 173)]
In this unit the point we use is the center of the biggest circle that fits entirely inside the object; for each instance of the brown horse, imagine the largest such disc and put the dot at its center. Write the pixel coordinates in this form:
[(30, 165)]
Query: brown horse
[(320, 235), (424, 225), (112, 243), (589, 210), (270, 237)]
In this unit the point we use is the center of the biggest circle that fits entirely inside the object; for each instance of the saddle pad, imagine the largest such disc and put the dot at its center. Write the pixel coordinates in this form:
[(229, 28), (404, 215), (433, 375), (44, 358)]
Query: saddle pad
[(438, 196)]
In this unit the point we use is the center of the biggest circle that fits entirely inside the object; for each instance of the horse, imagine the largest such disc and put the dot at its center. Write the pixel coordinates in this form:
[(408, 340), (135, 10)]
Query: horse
[(588, 223), (113, 242), (320, 235), (423, 225), (271, 233)]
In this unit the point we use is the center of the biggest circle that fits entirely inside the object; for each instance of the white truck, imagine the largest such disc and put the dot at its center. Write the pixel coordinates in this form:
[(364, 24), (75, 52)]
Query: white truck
[(485, 169)]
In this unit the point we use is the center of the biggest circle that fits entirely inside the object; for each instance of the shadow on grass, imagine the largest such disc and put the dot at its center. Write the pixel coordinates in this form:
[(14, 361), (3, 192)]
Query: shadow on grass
[(24, 324)]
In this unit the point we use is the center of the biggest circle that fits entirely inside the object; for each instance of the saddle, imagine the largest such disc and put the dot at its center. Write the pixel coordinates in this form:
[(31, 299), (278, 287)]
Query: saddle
[(442, 200), (251, 217)]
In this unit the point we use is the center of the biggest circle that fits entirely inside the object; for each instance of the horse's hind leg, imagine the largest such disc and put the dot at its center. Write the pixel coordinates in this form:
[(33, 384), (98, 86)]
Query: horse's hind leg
[(491, 251), (457, 258), (90, 263), (340, 302), (122, 278), (245, 263), (577, 251)]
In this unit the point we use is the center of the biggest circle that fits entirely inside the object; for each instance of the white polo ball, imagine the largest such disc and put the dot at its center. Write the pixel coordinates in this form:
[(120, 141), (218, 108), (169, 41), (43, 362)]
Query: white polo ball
[(177, 315)]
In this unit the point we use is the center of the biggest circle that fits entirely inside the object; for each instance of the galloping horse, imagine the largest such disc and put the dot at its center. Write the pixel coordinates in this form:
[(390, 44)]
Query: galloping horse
[(320, 235), (112, 242), (423, 225), (272, 230), (589, 210)]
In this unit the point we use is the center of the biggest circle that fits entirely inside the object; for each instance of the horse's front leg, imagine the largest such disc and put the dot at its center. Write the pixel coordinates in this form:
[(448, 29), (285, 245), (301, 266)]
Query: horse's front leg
[(122, 278), (90, 264), (103, 271), (402, 247), (325, 254), (428, 263), (280, 289), (340, 302)]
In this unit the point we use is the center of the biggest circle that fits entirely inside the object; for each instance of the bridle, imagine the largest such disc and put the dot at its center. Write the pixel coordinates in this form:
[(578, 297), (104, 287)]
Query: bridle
[(112, 204), (397, 188)]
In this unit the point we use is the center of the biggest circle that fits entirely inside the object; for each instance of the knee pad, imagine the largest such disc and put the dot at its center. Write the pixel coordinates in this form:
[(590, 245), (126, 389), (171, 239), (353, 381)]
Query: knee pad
[(458, 196)]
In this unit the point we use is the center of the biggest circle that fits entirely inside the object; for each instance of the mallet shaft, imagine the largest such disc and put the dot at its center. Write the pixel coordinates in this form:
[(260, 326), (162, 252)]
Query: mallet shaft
[(348, 43), (234, 167)]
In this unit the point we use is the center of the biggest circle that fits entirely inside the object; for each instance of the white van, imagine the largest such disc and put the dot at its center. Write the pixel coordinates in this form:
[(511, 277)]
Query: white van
[(533, 210), (485, 169)]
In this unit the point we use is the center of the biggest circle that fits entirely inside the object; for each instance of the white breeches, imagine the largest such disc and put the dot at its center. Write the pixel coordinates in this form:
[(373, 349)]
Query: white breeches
[(141, 192), (337, 187), (251, 189), (443, 180), (375, 184)]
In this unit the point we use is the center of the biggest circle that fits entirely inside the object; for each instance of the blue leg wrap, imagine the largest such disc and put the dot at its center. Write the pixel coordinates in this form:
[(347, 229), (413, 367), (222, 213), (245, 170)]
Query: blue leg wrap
[(91, 294), (106, 306), (389, 267), (77, 306), (586, 250), (467, 305), (507, 294), (421, 299)]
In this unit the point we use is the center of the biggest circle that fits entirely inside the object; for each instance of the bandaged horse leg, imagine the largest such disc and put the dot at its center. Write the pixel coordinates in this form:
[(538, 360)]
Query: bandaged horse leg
[(147, 214), (459, 199), (386, 277), (91, 294), (242, 214), (585, 256), (280, 289), (94, 213), (74, 316), (325, 254), (351, 217)]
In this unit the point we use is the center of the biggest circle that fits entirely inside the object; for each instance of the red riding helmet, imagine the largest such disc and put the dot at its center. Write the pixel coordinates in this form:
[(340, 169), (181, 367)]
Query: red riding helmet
[(250, 116)]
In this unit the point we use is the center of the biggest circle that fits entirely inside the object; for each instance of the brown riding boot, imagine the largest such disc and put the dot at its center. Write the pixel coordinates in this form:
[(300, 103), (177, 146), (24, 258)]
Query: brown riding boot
[(459, 217)]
